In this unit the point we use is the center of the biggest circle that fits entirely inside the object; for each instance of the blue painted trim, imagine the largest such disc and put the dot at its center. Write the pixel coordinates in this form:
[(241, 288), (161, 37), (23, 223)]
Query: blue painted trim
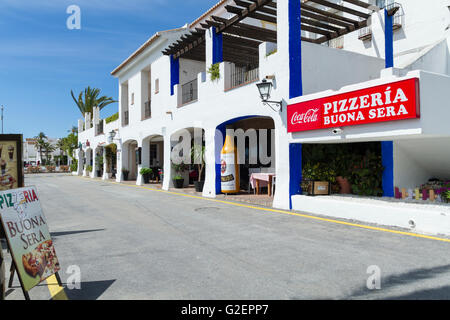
[(387, 154), (389, 39), (295, 50), (295, 170), (174, 73), (217, 40)]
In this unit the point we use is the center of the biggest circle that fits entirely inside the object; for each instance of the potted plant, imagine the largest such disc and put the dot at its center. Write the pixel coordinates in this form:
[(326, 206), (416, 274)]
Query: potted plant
[(317, 178), (367, 175), (178, 180), (198, 157), (342, 164), (146, 172), (445, 196), (214, 71), (125, 173)]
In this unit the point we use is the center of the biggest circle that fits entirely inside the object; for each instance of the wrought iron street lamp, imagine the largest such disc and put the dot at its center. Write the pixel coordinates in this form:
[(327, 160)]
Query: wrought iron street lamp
[(265, 88)]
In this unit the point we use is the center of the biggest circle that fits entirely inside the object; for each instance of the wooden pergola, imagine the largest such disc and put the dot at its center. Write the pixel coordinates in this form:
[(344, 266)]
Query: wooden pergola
[(241, 39)]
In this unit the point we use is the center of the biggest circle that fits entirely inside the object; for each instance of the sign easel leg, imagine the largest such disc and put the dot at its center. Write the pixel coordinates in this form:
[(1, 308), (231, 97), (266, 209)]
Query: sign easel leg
[(13, 268), (11, 278), (2, 275), (58, 278), (11, 275)]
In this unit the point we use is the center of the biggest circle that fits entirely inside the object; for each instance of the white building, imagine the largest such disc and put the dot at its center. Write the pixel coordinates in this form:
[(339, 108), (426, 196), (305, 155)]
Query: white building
[(32, 155), (344, 46)]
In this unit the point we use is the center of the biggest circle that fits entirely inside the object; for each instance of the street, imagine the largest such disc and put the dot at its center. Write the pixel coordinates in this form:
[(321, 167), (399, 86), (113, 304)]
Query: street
[(134, 243)]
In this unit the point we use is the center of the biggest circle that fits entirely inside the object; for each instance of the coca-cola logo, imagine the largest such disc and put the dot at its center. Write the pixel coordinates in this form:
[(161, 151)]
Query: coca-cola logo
[(309, 116)]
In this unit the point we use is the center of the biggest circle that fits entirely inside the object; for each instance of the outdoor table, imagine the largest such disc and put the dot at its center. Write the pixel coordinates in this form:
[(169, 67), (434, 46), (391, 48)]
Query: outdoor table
[(260, 179)]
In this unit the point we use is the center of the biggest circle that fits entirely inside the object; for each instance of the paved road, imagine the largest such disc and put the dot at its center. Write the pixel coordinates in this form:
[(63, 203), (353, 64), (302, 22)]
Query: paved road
[(133, 243)]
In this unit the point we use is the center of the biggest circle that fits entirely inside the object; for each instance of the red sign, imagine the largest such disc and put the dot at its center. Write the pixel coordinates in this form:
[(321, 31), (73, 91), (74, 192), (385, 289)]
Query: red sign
[(388, 102)]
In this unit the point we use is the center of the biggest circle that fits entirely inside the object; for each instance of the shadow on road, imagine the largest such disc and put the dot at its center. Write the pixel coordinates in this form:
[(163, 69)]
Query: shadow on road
[(65, 233), (404, 279), (90, 290)]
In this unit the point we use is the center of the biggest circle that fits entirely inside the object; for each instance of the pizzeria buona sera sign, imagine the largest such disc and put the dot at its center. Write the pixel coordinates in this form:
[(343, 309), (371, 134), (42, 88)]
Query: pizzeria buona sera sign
[(28, 236), (388, 102)]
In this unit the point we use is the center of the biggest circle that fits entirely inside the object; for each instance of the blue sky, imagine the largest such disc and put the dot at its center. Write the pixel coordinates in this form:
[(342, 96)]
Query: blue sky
[(41, 60)]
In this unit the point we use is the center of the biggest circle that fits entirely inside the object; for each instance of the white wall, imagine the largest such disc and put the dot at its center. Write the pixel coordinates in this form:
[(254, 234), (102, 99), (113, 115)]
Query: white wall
[(417, 160), (327, 68), (189, 69), (425, 23)]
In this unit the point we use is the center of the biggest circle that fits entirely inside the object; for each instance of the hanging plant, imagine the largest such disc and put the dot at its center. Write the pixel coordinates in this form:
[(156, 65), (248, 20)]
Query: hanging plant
[(214, 71)]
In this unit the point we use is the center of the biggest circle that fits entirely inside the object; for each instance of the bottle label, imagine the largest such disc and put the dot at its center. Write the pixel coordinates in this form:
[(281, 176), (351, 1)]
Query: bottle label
[(228, 172)]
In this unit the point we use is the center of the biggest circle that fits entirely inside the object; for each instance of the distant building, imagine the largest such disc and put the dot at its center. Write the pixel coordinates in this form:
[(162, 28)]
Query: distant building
[(32, 156)]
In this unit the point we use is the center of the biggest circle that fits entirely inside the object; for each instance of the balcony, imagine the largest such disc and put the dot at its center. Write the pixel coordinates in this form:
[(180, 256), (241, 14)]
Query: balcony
[(398, 20), (189, 92), (147, 110), (396, 9), (337, 43), (365, 33), (241, 76)]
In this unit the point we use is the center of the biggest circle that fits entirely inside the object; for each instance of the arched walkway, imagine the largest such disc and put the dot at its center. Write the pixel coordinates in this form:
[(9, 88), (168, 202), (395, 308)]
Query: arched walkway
[(109, 161), (187, 158), (255, 143), (131, 158), (152, 157)]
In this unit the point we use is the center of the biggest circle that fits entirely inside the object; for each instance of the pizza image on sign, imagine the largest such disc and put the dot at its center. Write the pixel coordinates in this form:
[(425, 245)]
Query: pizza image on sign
[(41, 260), (28, 236)]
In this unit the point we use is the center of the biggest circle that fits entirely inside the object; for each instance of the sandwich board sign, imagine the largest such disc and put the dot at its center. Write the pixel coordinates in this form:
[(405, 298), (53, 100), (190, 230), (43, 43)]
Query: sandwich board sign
[(28, 237), (11, 177)]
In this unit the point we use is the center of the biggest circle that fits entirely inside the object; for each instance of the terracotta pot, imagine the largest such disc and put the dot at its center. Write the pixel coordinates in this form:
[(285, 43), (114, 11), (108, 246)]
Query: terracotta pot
[(344, 185)]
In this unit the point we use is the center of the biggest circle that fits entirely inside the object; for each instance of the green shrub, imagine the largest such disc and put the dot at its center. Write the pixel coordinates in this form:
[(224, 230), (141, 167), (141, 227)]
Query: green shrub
[(145, 171), (112, 118), (74, 166), (214, 71), (89, 168)]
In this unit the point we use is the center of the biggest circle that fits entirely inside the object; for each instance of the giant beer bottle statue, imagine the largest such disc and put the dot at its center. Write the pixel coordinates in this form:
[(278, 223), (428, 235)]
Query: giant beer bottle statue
[(229, 168)]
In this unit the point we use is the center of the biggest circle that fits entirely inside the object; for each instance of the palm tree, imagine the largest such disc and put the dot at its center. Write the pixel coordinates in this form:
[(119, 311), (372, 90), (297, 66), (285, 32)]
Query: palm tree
[(48, 148), (91, 100), (41, 139)]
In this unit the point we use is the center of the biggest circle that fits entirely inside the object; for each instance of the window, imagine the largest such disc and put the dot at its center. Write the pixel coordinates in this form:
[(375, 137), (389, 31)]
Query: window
[(156, 86), (132, 98)]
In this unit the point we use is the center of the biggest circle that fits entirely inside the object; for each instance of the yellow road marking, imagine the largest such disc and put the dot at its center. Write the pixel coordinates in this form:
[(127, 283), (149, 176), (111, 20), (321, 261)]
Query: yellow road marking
[(56, 291), (411, 234)]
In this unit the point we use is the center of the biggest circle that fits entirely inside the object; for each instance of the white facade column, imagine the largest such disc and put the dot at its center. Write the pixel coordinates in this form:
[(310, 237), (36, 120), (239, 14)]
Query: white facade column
[(281, 197), (145, 160), (209, 47), (122, 160), (211, 142), (167, 168), (80, 162), (105, 165)]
